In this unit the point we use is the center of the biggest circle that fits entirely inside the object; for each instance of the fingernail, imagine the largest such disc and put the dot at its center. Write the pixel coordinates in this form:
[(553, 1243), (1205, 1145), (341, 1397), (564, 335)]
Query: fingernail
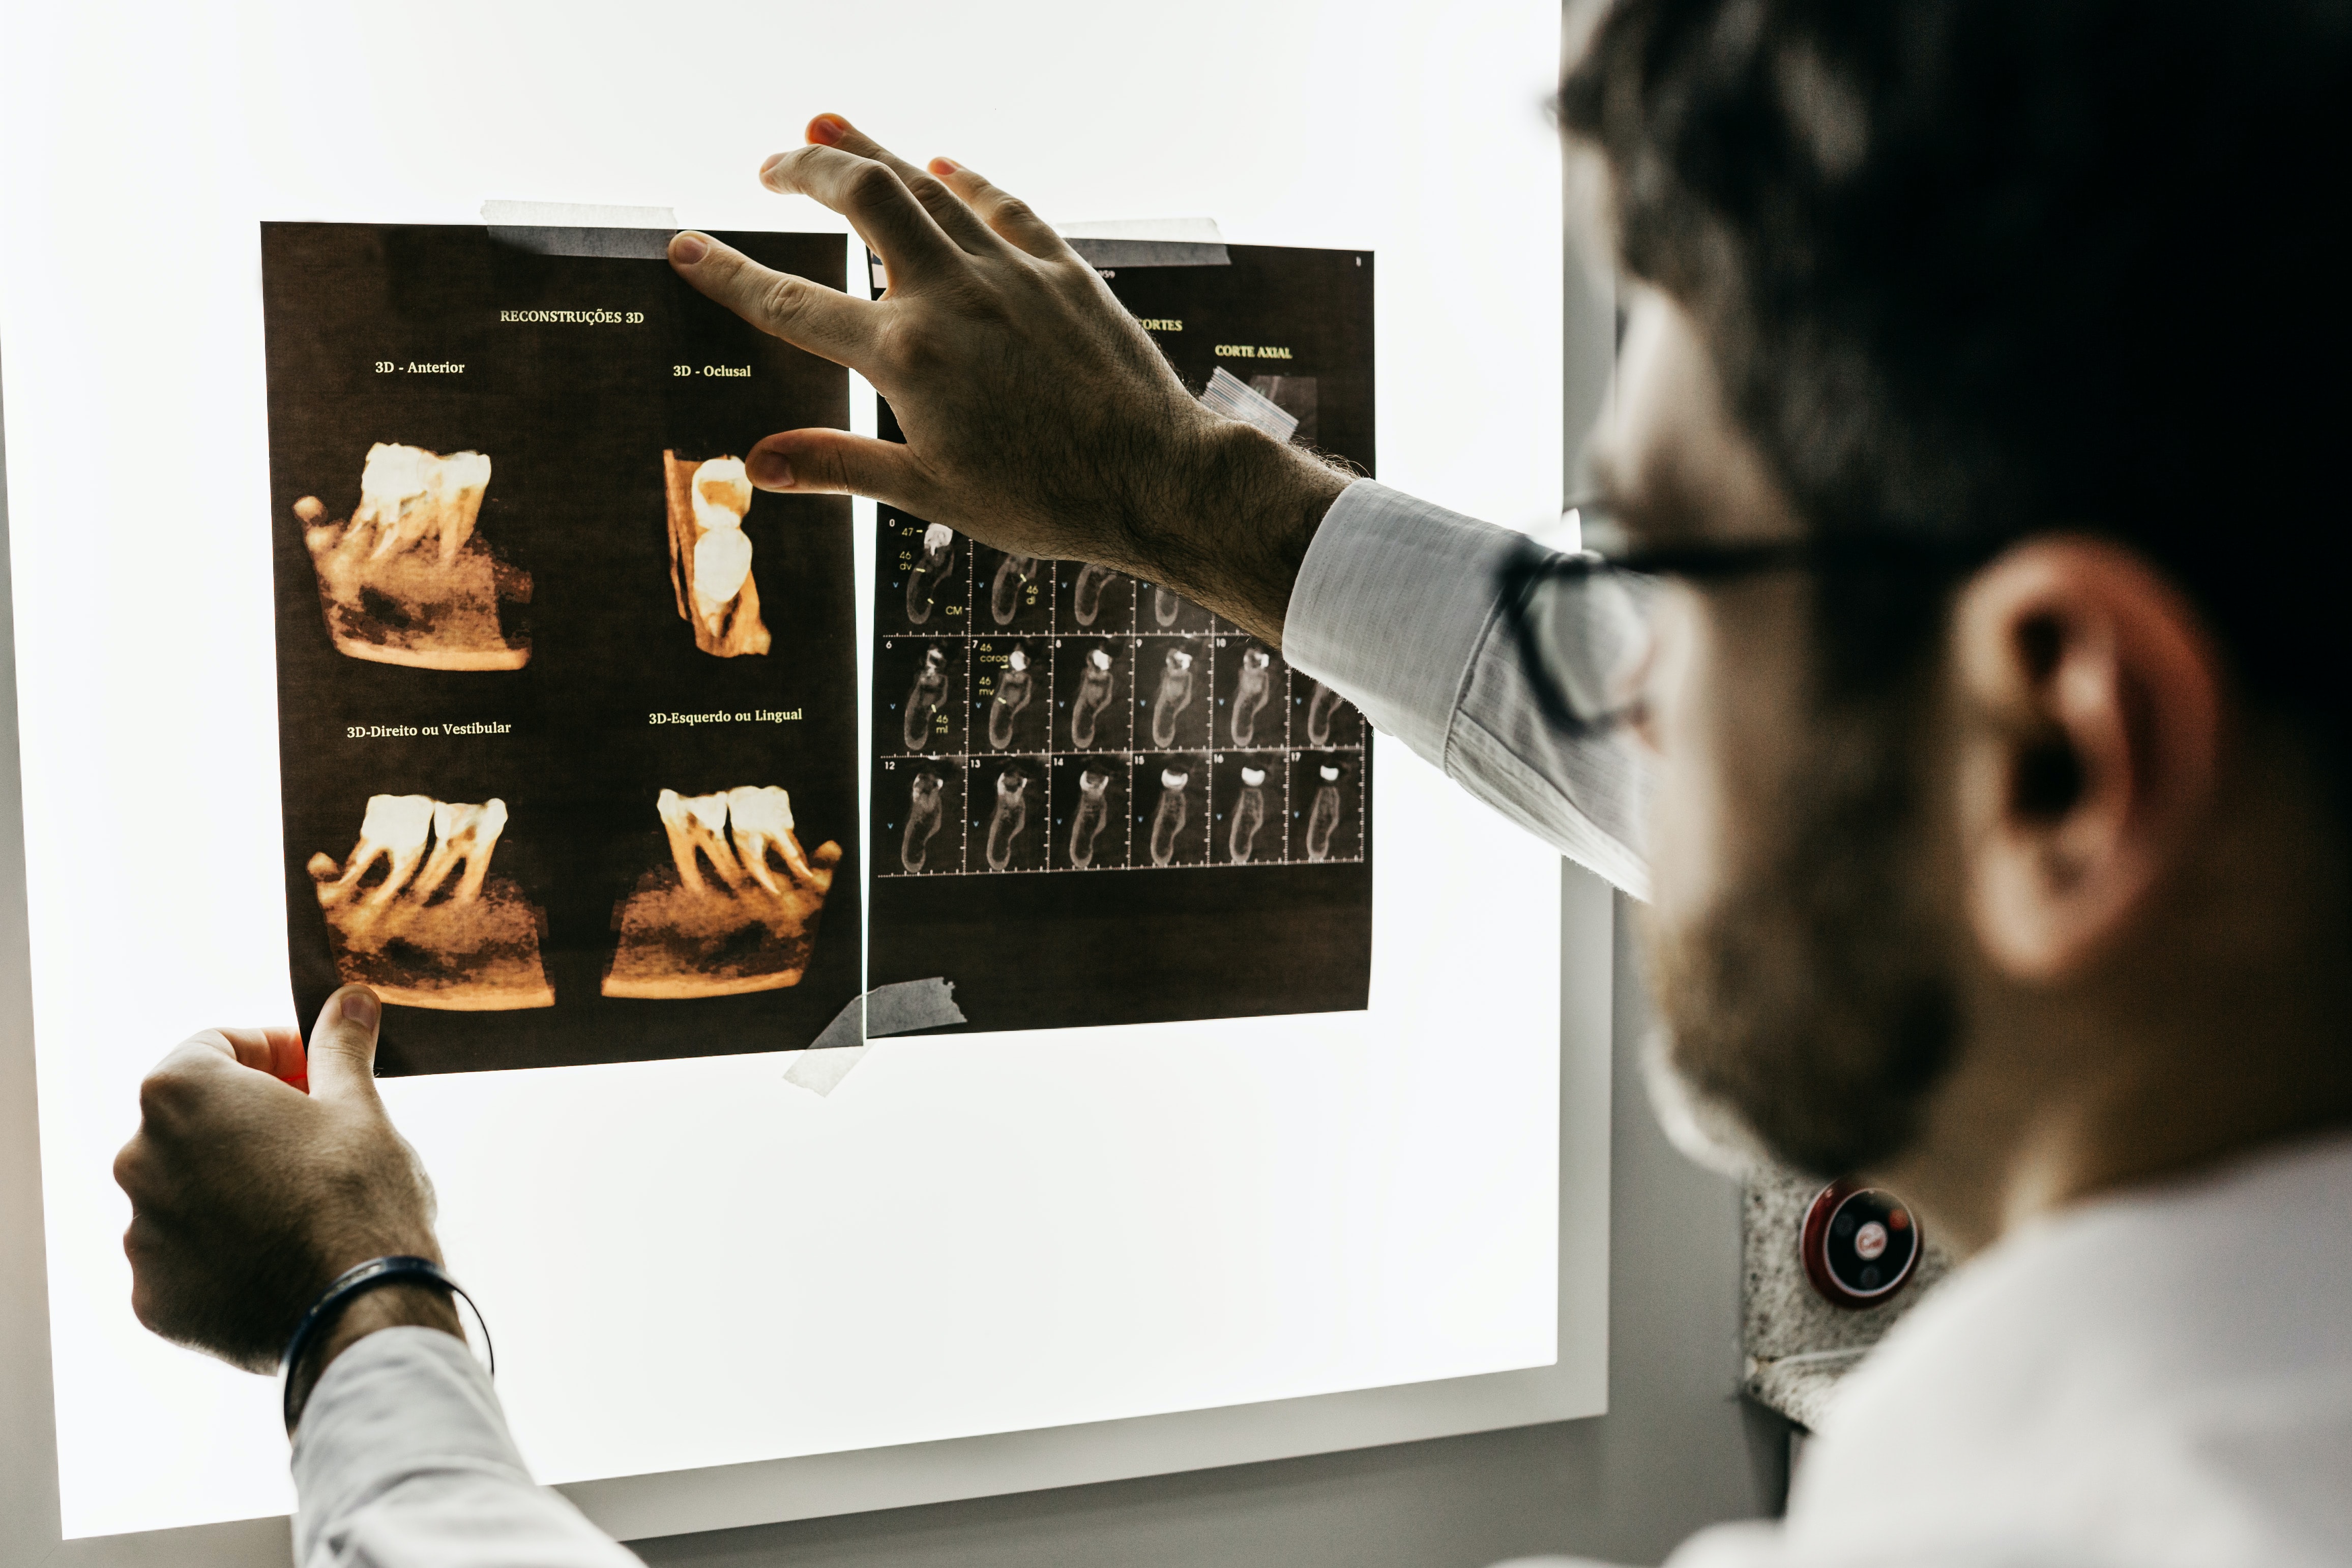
[(358, 1006), (827, 129), (688, 249), (768, 469), (769, 167), (946, 166)]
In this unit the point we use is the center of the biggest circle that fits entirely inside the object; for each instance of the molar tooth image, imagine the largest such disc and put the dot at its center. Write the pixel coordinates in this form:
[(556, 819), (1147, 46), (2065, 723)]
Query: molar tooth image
[(408, 580), (1320, 709), (1249, 816), (710, 558), (1250, 693), (1175, 695), (1094, 810), (1094, 696), (1085, 597), (1014, 573), (735, 911), (924, 700), (924, 581), (1013, 693), (1010, 818), (437, 932), (1325, 814), (1169, 817), (923, 818)]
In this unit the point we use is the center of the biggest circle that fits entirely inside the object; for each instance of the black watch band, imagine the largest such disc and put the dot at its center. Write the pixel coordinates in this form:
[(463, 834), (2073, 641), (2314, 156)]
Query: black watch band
[(346, 1287)]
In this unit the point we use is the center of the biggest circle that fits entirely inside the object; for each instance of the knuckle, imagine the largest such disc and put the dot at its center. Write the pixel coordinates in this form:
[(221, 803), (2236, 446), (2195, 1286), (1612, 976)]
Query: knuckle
[(1014, 210), (917, 347), (163, 1095), (782, 300), (871, 182), (788, 171)]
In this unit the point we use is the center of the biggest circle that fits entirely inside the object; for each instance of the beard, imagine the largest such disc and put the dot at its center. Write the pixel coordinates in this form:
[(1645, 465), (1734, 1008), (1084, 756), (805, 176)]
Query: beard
[(1812, 1010)]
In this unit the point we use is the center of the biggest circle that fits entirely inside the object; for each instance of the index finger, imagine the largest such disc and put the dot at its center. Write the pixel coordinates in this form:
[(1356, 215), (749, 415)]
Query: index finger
[(825, 321), (276, 1051)]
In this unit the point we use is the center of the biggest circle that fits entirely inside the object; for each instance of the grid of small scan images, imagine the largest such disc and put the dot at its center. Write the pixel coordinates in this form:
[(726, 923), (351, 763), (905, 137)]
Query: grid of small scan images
[(1042, 716)]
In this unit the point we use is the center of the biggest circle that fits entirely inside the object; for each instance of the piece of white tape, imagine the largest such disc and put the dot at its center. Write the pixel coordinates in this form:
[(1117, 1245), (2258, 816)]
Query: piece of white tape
[(818, 1071), (900, 1008), (1235, 398), (582, 228), (1147, 242)]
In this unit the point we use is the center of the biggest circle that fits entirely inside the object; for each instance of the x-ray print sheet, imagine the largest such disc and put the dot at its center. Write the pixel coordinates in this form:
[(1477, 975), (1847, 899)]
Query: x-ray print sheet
[(1093, 802), (567, 731)]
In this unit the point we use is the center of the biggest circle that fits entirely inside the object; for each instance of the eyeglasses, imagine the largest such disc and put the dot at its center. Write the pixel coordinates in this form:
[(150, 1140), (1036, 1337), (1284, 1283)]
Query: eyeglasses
[(1583, 622)]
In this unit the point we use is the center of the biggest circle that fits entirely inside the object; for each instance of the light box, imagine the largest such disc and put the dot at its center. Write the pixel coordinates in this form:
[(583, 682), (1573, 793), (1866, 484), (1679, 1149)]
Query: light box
[(984, 1261)]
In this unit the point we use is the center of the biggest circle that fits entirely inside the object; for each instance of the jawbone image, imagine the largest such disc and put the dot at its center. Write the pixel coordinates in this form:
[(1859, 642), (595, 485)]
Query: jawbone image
[(436, 930), (407, 581), (735, 911)]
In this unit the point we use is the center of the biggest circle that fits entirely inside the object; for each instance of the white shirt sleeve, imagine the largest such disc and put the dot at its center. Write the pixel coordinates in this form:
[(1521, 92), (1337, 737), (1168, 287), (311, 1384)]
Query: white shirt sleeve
[(1398, 609), (403, 1461)]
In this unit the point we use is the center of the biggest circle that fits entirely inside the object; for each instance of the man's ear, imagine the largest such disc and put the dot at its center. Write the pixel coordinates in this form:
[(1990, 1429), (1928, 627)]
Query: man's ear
[(2091, 698)]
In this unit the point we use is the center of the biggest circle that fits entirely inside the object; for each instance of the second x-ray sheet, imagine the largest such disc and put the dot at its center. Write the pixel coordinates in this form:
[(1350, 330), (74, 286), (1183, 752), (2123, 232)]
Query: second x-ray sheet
[(1093, 802), (566, 738)]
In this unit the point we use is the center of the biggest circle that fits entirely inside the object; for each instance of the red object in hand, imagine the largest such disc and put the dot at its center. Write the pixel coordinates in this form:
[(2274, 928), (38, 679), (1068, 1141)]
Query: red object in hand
[(1860, 1244)]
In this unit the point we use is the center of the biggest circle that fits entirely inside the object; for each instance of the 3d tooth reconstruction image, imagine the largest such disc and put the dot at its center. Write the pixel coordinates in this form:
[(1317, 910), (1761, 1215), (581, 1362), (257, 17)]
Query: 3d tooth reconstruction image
[(414, 912), (408, 579), (736, 908), (711, 558), (540, 457)]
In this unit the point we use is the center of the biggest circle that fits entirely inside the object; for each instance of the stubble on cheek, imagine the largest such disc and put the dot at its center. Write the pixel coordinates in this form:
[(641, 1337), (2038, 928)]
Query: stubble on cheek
[(1803, 966)]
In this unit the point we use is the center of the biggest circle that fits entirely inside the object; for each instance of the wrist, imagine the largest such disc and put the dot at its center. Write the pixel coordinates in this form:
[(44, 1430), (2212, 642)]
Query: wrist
[(1234, 530), (400, 1305)]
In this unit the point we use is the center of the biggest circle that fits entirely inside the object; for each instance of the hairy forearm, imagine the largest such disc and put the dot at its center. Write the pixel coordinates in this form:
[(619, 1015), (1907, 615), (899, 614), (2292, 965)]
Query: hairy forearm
[(1230, 525)]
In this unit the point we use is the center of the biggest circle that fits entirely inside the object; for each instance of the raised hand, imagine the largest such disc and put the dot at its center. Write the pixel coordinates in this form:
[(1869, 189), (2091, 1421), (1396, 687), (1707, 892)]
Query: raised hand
[(1039, 417)]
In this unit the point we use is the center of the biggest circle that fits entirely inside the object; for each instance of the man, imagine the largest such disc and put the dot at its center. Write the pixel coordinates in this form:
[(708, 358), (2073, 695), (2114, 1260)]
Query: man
[(1996, 734)]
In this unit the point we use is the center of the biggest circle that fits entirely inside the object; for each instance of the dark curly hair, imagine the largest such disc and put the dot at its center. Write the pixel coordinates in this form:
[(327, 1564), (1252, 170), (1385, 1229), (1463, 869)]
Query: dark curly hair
[(1987, 267)]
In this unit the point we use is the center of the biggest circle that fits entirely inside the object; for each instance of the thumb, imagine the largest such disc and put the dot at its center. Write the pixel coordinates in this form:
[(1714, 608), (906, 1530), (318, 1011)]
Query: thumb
[(342, 1046), (834, 462)]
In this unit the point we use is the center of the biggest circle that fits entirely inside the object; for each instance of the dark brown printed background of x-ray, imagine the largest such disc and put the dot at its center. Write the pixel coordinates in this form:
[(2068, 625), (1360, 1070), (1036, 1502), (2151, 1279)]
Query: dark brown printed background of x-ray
[(575, 418), (1042, 941)]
